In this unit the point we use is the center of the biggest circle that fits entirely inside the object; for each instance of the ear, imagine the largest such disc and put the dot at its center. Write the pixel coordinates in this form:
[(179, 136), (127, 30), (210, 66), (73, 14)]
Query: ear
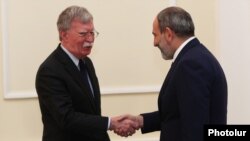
[(169, 34), (63, 34)]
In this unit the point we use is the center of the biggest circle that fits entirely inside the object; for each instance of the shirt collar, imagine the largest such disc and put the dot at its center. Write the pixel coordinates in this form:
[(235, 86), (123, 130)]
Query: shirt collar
[(181, 47), (71, 56)]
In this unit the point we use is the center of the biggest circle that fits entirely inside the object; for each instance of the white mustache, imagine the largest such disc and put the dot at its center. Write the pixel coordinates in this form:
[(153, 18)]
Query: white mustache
[(86, 44)]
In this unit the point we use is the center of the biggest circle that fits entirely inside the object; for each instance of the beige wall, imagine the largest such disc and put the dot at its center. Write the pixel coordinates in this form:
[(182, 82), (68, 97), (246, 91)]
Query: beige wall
[(20, 119)]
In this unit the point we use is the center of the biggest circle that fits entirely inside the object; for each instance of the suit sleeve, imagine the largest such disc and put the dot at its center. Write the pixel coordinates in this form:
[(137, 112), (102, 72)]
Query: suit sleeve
[(151, 122)]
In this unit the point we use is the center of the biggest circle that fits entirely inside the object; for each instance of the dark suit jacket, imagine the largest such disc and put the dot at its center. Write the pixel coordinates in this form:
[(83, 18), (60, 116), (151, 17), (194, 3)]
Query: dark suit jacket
[(69, 111), (194, 93)]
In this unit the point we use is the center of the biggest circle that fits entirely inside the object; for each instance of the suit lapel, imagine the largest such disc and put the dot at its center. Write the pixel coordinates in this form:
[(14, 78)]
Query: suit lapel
[(74, 72), (94, 81), (92, 77)]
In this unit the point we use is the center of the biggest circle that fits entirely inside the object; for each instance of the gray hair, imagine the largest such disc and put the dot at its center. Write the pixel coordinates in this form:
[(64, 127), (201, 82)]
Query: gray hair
[(178, 20), (72, 13)]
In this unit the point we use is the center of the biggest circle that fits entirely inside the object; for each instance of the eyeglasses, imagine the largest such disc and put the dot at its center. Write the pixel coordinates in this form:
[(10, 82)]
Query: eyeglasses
[(89, 34)]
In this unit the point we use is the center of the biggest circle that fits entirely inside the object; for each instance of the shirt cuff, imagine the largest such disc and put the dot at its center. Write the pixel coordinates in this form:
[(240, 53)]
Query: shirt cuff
[(109, 123)]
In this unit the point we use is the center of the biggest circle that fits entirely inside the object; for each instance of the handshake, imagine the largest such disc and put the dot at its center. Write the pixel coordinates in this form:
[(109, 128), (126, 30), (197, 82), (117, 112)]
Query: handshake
[(126, 125)]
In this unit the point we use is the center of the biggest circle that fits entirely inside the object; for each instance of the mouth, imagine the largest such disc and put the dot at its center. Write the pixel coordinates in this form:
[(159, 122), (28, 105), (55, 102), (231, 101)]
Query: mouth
[(87, 46)]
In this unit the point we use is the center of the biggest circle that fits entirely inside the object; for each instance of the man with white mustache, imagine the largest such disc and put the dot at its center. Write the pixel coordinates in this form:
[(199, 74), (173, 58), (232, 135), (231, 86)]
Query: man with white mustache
[(67, 85)]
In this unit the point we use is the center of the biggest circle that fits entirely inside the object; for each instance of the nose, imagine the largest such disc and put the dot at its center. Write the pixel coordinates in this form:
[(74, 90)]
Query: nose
[(90, 38), (156, 43)]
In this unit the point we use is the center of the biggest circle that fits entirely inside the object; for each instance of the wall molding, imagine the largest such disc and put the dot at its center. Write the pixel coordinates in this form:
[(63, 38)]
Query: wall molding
[(104, 91)]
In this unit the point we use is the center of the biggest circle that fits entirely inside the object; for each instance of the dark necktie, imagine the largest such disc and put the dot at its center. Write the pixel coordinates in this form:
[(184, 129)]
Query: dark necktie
[(84, 73)]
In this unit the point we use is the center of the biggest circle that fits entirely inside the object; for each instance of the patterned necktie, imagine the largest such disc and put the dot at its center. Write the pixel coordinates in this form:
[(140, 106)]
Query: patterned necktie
[(84, 73)]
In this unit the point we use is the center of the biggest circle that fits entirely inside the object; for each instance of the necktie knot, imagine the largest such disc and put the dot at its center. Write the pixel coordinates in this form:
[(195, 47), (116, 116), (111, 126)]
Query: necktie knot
[(82, 66)]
